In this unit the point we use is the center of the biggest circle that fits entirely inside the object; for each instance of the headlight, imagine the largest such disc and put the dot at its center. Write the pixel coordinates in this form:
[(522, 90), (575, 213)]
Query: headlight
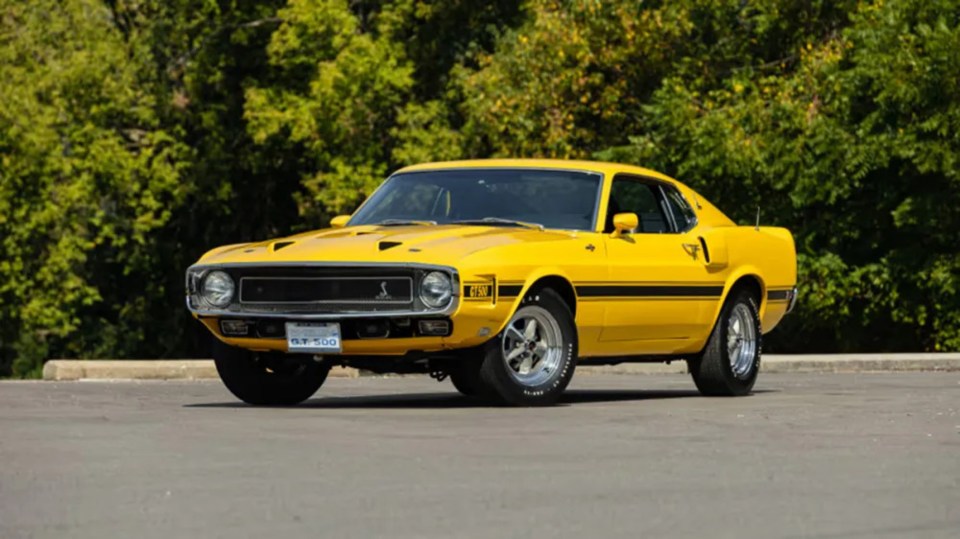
[(217, 289), (436, 290)]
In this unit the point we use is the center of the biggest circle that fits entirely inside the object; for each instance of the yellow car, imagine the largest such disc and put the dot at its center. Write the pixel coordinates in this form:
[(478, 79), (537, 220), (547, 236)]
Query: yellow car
[(503, 275)]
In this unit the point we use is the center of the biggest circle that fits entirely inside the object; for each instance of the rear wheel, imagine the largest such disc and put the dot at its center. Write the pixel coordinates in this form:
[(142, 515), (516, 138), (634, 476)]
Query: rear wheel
[(268, 378), (730, 363), (531, 362)]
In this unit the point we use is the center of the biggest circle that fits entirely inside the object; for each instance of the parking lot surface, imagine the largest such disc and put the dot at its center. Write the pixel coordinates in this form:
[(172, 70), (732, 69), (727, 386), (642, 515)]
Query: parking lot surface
[(828, 455)]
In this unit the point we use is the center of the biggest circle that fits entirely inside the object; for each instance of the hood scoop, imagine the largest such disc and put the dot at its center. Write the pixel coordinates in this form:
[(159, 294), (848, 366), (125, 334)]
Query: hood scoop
[(334, 234), (384, 245), (277, 245)]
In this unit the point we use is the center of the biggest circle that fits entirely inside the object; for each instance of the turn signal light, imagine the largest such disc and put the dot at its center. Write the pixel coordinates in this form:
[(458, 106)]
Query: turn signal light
[(434, 328), (235, 328)]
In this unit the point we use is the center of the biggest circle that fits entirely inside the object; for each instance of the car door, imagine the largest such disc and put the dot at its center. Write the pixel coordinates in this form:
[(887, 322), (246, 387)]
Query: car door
[(660, 294)]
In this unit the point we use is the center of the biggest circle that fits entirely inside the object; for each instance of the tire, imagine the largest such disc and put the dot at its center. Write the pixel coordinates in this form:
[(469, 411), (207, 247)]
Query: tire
[(466, 378), (543, 359), (713, 371), (268, 379)]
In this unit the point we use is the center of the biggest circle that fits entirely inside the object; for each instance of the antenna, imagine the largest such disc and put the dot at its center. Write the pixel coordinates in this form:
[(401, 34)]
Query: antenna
[(757, 227)]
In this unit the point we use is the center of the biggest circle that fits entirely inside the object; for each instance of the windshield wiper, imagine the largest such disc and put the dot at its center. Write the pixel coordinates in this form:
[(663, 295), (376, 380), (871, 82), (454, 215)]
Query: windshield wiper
[(404, 222), (495, 221)]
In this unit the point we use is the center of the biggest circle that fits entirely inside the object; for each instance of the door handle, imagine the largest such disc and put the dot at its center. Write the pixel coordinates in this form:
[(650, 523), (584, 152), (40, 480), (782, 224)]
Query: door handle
[(692, 249)]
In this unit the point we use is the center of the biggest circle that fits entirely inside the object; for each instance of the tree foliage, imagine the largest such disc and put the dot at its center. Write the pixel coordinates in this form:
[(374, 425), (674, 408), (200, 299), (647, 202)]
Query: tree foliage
[(89, 175), (849, 139), (134, 135)]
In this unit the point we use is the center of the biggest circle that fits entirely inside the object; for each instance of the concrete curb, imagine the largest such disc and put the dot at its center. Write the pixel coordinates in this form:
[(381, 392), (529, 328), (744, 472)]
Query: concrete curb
[(143, 369), (809, 363), (203, 369)]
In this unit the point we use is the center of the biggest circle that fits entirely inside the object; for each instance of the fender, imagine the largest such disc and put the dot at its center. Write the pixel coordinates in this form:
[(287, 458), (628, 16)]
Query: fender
[(218, 250), (531, 278), (742, 271)]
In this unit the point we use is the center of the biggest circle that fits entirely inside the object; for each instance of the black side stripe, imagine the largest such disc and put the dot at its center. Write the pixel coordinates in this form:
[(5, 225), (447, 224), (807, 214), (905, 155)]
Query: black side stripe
[(775, 295), (509, 290), (633, 291)]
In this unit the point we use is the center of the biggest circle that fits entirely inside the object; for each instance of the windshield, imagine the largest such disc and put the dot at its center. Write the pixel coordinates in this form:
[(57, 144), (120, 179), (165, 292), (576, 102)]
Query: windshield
[(497, 197)]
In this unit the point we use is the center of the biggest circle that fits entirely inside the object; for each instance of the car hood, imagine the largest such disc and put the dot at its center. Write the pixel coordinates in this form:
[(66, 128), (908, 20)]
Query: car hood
[(440, 244)]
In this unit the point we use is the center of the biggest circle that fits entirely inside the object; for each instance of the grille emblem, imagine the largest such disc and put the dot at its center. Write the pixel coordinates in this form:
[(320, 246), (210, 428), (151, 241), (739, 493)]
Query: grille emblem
[(383, 295)]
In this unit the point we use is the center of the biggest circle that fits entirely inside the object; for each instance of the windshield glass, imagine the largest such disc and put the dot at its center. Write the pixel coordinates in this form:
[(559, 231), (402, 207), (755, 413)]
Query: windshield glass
[(552, 198)]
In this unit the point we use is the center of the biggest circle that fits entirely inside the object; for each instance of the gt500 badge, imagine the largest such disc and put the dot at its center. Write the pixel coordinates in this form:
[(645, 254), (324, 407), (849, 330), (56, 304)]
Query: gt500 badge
[(478, 290)]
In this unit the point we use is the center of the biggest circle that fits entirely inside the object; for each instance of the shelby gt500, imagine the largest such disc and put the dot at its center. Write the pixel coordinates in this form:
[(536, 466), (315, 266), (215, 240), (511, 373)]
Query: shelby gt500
[(503, 275)]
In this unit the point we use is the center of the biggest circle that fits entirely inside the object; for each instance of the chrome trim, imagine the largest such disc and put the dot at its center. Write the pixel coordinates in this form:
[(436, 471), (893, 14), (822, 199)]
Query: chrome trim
[(326, 302), (503, 167), (412, 265), (741, 341), (449, 310), (446, 311), (596, 203), (792, 302)]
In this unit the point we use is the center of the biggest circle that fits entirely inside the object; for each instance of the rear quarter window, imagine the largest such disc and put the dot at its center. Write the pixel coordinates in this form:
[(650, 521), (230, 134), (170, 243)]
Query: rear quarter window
[(683, 214)]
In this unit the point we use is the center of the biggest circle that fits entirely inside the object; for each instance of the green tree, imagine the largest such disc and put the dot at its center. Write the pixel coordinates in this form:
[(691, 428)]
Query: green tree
[(338, 87), (134, 135), (205, 54), (850, 140), (357, 90), (837, 118), (88, 177)]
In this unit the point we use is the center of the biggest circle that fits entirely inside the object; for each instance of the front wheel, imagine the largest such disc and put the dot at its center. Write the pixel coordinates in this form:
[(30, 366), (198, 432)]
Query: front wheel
[(268, 379), (729, 364), (531, 362), (465, 375)]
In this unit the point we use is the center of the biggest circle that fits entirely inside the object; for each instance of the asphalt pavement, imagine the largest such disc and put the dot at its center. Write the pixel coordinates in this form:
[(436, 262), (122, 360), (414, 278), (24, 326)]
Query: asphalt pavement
[(808, 455)]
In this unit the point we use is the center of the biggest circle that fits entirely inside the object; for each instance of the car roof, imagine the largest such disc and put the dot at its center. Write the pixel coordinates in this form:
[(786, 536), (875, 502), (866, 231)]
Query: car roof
[(706, 211), (559, 164)]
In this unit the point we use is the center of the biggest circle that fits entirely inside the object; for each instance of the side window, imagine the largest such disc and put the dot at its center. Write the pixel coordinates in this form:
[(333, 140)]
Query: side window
[(683, 214), (629, 196)]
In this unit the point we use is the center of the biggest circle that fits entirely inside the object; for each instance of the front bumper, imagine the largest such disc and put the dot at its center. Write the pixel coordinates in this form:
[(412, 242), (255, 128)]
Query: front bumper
[(473, 323)]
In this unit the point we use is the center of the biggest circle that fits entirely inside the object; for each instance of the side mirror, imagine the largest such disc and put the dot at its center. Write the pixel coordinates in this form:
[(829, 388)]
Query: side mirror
[(339, 221), (625, 223), (714, 243)]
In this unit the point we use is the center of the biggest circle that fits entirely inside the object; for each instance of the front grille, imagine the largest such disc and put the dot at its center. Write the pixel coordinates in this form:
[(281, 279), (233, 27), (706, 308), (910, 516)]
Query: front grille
[(326, 290), (321, 291)]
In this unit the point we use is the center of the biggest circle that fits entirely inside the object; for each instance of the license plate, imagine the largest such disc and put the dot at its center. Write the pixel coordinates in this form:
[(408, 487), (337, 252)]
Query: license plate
[(313, 338)]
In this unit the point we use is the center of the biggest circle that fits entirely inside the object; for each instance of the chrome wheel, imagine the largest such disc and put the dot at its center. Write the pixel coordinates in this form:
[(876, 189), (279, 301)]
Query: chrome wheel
[(741, 341), (532, 346)]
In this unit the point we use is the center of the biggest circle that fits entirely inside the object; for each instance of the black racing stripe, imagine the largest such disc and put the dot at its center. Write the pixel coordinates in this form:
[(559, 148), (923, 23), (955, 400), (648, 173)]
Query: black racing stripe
[(618, 290), (774, 295), (509, 290)]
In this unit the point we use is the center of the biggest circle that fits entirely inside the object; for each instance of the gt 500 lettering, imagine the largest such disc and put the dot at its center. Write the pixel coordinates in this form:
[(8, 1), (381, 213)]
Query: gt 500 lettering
[(324, 342), (478, 291)]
